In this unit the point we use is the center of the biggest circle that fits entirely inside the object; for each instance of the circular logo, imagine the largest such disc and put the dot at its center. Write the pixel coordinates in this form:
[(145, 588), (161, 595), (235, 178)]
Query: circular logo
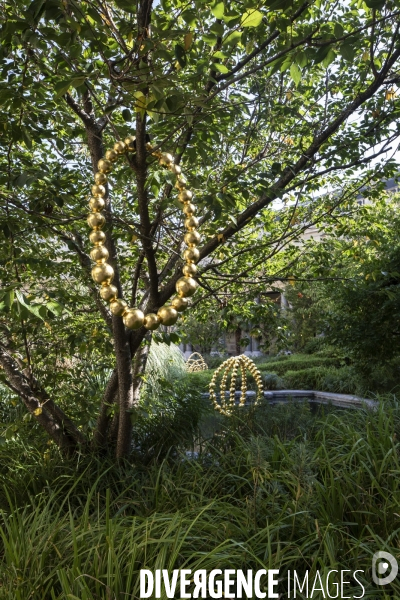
[(384, 568)]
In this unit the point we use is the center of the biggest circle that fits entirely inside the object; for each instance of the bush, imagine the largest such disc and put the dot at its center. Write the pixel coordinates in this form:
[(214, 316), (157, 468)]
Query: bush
[(297, 362), (272, 381), (328, 379)]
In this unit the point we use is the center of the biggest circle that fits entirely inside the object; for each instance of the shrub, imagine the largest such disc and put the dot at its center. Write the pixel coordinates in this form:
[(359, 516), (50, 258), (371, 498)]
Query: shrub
[(298, 362), (328, 379), (272, 381)]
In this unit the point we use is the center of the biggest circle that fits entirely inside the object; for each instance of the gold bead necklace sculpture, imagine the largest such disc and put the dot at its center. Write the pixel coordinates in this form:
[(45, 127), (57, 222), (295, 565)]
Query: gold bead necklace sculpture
[(234, 363), (103, 273)]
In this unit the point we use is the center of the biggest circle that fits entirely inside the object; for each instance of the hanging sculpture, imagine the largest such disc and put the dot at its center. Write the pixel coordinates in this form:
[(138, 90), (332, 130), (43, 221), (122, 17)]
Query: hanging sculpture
[(194, 365), (103, 273), (244, 363)]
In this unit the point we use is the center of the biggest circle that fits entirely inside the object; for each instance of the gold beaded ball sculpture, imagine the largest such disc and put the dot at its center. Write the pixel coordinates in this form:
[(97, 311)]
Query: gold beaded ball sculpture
[(244, 363), (103, 273), (196, 363)]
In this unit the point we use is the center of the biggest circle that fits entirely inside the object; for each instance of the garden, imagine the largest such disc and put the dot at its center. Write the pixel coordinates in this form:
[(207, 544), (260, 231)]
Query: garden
[(178, 174)]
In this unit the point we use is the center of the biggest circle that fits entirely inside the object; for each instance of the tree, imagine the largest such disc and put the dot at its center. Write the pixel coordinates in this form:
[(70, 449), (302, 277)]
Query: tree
[(257, 103), (348, 284)]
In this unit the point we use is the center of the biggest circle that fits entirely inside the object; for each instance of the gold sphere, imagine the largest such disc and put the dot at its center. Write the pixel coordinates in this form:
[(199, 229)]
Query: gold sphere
[(192, 238), (189, 209), (99, 254), (120, 148), (118, 307), (189, 270), (186, 286), (151, 321), (167, 315), (98, 190), (100, 178), (175, 169), (103, 273), (104, 166), (97, 237), (111, 155), (130, 142), (181, 182), (191, 255), (166, 159), (185, 196), (108, 292), (180, 304), (96, 204), (96, 220), (191, 223), (133, 318)]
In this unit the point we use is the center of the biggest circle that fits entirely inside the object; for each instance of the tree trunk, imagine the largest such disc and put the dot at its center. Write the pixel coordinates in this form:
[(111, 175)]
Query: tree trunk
[(238, 339)]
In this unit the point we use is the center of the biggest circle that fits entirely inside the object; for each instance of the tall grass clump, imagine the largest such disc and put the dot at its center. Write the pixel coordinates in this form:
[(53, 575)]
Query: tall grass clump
[(275, 487)]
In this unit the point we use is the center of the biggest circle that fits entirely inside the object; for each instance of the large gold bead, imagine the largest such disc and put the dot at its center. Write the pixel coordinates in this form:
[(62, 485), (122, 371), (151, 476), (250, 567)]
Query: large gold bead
[(100, 178), (108, 292), (180, 304), (133, 318), (189, 209), (120, 148), (151, 321), (96, 220), (166, 159), (191, 255), (99, 254), (118, 307), (175, 169), (185, 196), (103, 273), (191, 223), (130, 143), (189, 270), (97, 237), (96, 204), (186, 286), (98, 190), (167, 315), (192, 238), (111, 155), (181, 182), (104, 166)]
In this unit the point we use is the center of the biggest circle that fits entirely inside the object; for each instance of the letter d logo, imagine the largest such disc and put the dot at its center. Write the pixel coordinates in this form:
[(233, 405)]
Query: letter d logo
[(380, 568)]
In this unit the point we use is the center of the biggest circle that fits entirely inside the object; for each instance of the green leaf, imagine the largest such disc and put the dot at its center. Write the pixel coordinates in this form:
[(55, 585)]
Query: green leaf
[(329, 58), (233, 38), (180, 55), (221, 68), (377, 4), (56, 308), (321, 54), (126, 5), (190, 17), (338, 30), (218, 10), (295, 73), (62, 87), (35, 310), (348, 52), (211, 40), (126, 114), (301, 59), (251, 19), (9, 298), (78, 81)]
